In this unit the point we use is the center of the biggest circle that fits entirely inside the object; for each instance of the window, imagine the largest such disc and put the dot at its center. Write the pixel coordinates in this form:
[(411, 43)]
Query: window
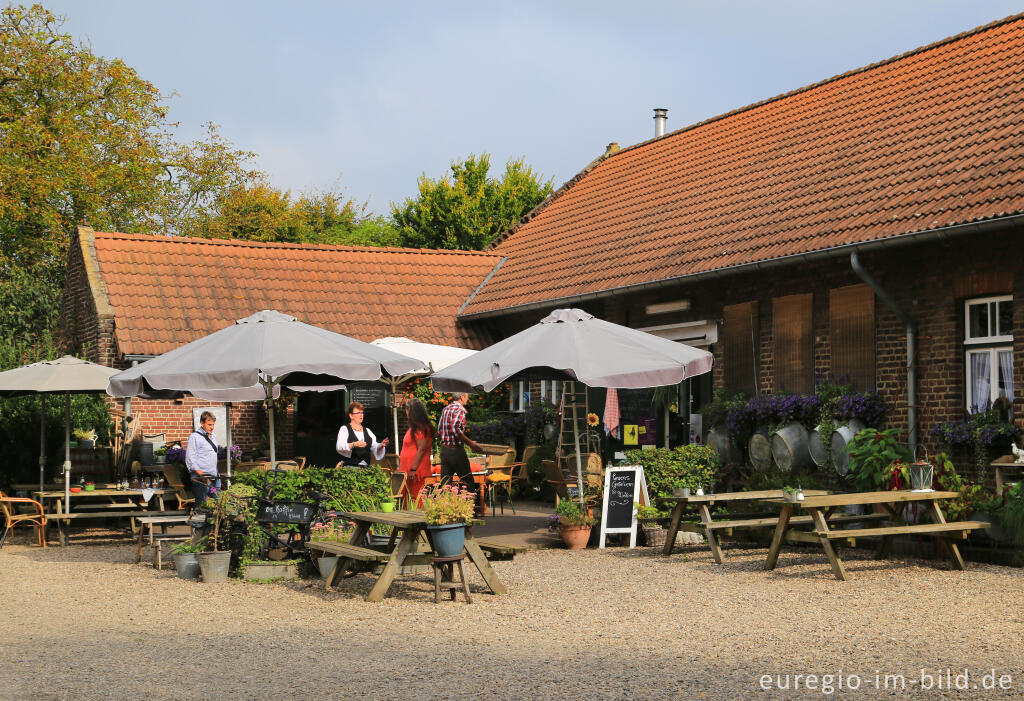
[(740, 347), (852, 334), (988, 350), (793, 349), (519, 396), (551, 391)]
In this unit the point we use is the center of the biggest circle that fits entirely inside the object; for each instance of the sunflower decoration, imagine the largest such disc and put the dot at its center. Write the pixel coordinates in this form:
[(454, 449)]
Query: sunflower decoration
[(592, 419)]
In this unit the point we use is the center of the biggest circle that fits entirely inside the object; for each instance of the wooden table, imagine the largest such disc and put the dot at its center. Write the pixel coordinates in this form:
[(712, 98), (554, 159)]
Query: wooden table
[(408, 525), (819, 506), (162, 520), (711, 527), (113, 509), (1000, 467)]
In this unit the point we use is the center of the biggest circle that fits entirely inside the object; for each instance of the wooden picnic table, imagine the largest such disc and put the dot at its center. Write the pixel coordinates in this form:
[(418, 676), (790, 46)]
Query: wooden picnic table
[(818, 507), (711, 527), (54, 499), (408, 526)]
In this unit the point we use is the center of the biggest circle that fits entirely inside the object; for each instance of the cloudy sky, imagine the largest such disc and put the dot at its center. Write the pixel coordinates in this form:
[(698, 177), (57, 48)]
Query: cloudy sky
[(368, 96)]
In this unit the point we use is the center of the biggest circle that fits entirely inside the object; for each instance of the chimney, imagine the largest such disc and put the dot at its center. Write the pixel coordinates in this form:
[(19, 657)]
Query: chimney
[(660, 117)]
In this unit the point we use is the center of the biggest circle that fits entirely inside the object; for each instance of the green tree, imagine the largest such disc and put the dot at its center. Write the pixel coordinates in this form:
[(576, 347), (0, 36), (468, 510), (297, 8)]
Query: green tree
[(469, 210), (85, 139)]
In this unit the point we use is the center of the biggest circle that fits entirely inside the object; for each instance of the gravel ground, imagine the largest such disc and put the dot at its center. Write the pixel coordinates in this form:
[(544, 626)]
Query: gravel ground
[(85, 622)]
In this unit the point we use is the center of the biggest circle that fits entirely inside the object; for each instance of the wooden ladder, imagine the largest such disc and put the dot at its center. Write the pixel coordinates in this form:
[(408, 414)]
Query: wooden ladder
[(573, 432)]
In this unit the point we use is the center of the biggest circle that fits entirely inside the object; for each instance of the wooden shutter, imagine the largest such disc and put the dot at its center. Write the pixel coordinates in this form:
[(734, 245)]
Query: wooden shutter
[(793, 354), (740, 347), (852, 335)]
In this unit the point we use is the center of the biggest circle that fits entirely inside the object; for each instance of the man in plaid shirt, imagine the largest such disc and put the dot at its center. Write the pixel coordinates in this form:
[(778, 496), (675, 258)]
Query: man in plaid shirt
[(451, 432)]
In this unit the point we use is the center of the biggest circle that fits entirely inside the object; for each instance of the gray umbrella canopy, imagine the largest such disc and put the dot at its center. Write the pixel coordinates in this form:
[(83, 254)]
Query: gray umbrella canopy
[(570, 344), (67, 376), (265, 350)]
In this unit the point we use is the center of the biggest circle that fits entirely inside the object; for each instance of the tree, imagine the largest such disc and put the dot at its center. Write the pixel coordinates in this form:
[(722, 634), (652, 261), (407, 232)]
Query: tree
[(468, 212), (85, 139)]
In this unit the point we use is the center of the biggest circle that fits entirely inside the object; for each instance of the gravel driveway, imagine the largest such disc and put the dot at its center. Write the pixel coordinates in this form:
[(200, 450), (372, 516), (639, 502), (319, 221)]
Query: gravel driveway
[(84, 622)]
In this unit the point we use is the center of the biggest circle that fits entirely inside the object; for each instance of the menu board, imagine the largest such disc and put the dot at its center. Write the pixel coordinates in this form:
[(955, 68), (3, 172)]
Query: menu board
[(623, 486), (371, 397)]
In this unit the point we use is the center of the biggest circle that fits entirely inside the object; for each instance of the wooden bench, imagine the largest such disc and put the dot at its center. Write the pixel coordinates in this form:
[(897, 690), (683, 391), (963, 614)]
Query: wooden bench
[(62, 519), (953, 529), (352, 552), (496, 550)]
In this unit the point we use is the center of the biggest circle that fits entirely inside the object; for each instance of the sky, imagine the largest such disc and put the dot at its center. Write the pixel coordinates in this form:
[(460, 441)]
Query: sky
[(367, 97)]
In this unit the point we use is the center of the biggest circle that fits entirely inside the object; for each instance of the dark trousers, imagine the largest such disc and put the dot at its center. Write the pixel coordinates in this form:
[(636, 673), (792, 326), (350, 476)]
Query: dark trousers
[(454, 461), (201, 487)]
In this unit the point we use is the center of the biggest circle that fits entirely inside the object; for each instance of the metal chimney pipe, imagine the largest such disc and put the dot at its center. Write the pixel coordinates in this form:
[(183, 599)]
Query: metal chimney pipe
[(660, 117)]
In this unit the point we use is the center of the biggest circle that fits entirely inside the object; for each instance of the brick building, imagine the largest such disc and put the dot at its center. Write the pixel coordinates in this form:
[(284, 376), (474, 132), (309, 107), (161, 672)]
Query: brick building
[(799, 237)]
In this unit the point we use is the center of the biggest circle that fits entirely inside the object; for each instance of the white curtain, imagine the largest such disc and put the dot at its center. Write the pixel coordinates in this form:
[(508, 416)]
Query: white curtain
[(980, 381), (1006, 371)]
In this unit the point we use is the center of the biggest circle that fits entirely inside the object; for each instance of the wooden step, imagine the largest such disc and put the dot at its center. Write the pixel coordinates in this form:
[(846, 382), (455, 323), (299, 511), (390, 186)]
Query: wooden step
[(353, 552), (964, 527)]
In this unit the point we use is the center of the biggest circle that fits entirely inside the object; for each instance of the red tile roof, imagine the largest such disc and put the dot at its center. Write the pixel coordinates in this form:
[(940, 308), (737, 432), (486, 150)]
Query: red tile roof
[(929, 139), (166, 291)]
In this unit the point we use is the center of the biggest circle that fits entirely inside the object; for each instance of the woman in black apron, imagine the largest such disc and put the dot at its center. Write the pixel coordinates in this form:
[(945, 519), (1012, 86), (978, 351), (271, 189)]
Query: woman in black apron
[(357, 445)]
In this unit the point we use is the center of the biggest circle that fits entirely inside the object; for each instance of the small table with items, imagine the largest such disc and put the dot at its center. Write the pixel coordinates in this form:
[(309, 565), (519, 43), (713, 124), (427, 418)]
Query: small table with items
[(819, 507), (408, 527)]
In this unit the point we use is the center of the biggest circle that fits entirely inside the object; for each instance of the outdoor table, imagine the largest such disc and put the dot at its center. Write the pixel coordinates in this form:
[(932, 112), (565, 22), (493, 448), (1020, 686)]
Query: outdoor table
[(711, 526), (129, 510), (1000, 468), (408, 526), (818, 507), (162, 520)]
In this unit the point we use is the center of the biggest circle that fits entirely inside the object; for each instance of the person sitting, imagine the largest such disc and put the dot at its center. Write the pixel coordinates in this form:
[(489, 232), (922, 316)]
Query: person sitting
[(356, 444)]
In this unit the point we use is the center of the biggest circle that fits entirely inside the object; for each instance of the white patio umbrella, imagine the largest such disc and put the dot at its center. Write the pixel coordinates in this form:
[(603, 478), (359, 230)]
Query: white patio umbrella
[(66, 375), (570, 344), (265, 351), (433, 357)]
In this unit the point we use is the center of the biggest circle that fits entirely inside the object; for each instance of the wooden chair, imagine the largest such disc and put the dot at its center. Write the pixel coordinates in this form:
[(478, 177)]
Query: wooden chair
[(557, 479), (176, 481), (389, 462), (520, 475), (301, 461), (398, 488), (35, 517), (593, 470)]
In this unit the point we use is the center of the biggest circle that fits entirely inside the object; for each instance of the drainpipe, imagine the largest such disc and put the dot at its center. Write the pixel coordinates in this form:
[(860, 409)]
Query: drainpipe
[(911, 329)]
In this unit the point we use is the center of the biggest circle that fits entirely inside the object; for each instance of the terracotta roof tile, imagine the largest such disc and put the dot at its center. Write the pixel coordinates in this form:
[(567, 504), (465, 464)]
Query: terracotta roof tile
[(929, 139), (166, 291)]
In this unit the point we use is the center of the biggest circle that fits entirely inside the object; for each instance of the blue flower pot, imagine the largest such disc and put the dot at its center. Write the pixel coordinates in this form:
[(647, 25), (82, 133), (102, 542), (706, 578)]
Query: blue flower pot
[(449, 539)]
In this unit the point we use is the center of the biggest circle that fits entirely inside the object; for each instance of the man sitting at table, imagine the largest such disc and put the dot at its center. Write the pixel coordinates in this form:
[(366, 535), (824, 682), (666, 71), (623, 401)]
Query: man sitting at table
[(451, 427), (201, 459)]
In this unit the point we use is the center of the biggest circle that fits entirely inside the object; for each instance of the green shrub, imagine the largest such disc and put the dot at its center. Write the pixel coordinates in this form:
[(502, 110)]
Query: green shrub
[(686, 465), (872, 457), (350, 489)]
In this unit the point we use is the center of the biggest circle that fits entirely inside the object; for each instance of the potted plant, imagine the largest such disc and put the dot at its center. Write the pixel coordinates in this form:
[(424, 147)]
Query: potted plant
[(651, 525), (215, 563), (186, 559), (573, 524), (160, 455), (447, 510), (792, 495), (90, 486), (387, 505), (681, 487), (85, 437), (333, 530)]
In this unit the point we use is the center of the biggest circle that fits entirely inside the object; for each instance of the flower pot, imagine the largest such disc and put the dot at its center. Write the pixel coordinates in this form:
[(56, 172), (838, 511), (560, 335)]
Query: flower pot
[(187, 565), (575, 537), (681, 492), (215, 565), (160, 459), (326, 564), (655, 536), (86, 444), (387, 506), (90, 487), (448, 540), (789, 447)]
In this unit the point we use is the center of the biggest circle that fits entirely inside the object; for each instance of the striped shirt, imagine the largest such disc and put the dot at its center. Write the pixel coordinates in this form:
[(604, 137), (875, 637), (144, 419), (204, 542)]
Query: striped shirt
[(451, 424)]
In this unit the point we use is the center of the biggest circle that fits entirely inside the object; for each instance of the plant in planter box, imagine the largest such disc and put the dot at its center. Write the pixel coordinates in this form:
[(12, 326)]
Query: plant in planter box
[(447, 509), (573, 524), (650, 523), (186, 559), (792, 494)]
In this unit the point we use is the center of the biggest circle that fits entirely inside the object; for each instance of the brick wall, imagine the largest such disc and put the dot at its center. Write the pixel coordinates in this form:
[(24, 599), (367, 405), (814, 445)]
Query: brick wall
[(929, 282)]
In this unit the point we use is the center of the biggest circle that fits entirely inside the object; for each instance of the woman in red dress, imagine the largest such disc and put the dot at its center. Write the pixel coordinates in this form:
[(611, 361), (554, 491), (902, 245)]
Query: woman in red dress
[(415, 455)]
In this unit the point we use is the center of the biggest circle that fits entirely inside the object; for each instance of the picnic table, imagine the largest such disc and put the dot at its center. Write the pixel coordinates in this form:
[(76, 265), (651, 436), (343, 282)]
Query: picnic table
[(711, 527), (818, 508), (116, 507), (408, 527)]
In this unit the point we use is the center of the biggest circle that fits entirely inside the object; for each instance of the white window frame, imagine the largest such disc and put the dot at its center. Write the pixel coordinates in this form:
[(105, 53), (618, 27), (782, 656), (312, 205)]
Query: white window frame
[(551, 391), (991, 344), (519, 396)]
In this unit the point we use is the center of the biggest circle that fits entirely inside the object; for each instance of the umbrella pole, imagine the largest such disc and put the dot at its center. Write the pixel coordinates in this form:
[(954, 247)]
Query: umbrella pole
[(42, 441), (273, 447), (227, 420), (67, 452)]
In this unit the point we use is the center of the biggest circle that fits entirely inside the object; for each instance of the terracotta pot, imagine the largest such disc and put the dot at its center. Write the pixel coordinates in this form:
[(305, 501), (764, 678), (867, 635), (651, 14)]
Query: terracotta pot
[(576, 537)]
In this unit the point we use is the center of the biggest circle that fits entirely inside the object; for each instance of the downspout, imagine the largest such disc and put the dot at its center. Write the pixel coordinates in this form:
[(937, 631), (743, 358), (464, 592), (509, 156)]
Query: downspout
[(911, 330)]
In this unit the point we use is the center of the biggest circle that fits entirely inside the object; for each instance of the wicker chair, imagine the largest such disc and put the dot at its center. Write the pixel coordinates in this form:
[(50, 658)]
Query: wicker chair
[(35, 517)]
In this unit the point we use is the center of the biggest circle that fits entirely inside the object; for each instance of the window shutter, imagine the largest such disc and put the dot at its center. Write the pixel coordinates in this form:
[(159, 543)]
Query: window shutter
[(740, 350), (852, 334), (793, 354)]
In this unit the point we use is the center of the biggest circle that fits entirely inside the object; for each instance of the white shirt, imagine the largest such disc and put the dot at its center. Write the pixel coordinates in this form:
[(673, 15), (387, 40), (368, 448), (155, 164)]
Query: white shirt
[(344, 444)]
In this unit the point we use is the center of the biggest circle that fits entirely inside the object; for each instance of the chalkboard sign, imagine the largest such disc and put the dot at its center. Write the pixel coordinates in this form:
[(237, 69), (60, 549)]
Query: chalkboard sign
[(623, 486), (284, 512), (369, 396)]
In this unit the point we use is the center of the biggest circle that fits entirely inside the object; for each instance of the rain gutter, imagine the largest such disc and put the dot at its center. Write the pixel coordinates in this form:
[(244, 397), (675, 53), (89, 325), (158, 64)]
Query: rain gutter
[(911, 329), (927, 236)]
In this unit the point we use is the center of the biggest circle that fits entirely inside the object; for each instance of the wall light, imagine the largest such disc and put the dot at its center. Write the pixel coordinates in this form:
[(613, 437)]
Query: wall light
[(680, 305)]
